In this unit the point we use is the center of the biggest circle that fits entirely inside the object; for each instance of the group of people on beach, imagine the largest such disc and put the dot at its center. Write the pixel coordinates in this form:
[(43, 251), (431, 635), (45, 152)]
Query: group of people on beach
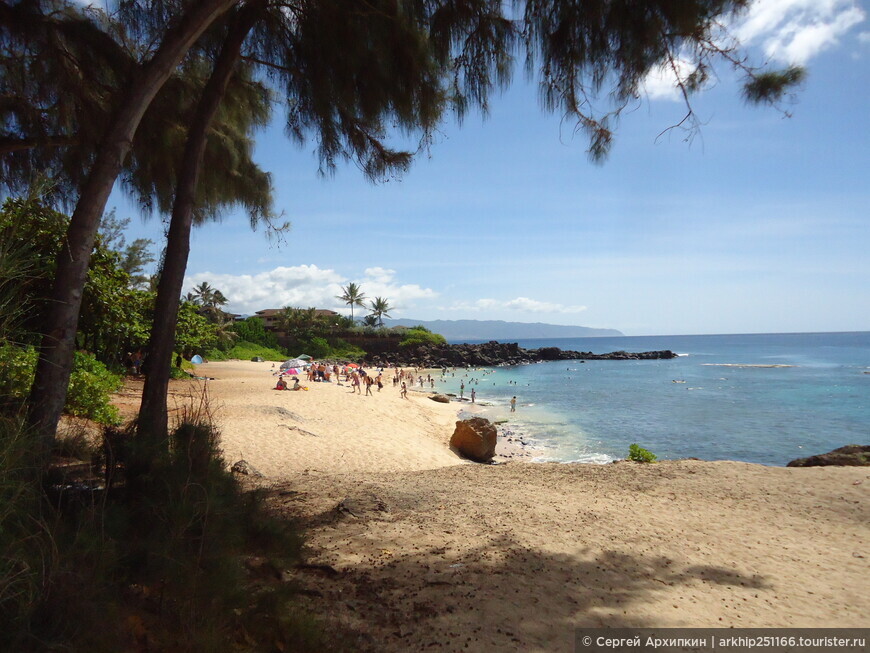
[(357, 377)]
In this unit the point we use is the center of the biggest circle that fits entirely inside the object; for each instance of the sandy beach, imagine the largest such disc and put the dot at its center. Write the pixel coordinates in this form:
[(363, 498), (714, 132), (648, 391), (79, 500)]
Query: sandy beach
[(410, 547)]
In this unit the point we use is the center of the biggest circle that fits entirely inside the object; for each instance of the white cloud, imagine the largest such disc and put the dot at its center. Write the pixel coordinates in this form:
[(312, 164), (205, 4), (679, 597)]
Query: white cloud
[(380, 275), (794, 31), (533, 306), (661, 83), (788, 31), (519, 304), (306, 285)]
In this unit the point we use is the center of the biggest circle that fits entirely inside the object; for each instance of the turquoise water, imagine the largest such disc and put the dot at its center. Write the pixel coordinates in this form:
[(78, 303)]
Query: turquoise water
[(715, 402)]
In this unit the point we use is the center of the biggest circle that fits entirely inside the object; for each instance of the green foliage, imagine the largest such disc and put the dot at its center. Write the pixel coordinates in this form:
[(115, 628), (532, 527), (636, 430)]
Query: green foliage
[(770, 87), (89, 387), (114, 316), (342, 350), (247, 351), (316, 347), (352, 295), (253, 330), (640, 455), (178, 373), (380, 309), (193, 332), (420, 335)]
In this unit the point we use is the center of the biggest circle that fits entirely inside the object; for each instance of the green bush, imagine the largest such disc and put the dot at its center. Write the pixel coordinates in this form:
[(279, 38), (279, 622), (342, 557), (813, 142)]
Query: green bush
[(244, 350), (215, 355), (178, 373), (345, 351), (252, 330), (420, 335), (89, 388), (640, 455)]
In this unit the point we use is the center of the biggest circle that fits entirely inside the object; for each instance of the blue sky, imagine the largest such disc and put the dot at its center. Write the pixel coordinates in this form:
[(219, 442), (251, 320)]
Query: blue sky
[(760, 224)]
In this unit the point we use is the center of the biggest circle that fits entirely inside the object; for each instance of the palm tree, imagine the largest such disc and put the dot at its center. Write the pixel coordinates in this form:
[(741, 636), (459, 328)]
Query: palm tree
[(352, 296), (203, 293), (380, 309)]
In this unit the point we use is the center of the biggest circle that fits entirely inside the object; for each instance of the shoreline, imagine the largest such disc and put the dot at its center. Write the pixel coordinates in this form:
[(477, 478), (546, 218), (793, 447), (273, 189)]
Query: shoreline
[(411, 547)]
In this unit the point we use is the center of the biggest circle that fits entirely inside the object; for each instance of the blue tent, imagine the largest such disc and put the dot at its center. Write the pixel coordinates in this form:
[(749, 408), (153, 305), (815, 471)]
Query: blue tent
[(196, 360)]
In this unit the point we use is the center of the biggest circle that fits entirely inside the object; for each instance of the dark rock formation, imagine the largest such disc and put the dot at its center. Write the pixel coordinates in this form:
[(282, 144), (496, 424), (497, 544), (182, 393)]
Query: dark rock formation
[(491, 354), (441, 399), (851, 455), (474, 439)]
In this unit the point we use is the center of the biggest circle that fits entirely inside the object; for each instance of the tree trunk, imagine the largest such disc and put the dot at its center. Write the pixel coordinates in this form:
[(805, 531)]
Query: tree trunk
[(48, 393), (153, 414)]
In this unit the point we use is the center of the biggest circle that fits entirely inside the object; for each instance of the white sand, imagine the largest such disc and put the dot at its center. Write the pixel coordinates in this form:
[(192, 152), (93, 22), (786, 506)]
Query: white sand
[(327, 428), (431, 551)]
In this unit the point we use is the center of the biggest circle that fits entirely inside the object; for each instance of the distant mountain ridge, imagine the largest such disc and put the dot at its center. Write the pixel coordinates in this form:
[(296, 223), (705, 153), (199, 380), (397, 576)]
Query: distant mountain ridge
[(458, 330)]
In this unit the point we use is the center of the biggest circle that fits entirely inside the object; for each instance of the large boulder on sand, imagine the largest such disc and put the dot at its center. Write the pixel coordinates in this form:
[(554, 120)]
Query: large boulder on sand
[(474, 439), (850, 455), (441, 399)]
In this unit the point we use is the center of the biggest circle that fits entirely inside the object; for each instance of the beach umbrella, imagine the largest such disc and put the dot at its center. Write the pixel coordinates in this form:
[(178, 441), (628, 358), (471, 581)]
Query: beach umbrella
[(290, 370), (304, 357), (351, 365), (293, 362)]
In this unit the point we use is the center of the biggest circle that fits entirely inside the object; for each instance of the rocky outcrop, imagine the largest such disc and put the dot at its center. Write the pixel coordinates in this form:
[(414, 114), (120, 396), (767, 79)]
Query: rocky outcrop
[(441, 399), (492, 354), (474, 439), (852, 455)]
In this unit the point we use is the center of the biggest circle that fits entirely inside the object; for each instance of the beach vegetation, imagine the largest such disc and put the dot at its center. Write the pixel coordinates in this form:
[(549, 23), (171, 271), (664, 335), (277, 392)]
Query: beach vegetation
[(162, 562), (380, 309), (243, 350), (135, 256), (253, 330), (352, 295), (420, 335), (90, 386), (114, 312), (640, 455)]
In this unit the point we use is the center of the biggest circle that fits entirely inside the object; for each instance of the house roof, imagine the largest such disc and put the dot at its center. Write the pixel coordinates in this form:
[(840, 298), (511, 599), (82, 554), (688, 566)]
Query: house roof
[(269, 312)]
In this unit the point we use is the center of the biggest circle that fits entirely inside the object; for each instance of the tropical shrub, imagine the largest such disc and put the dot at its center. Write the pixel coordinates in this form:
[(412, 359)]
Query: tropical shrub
[(420, 335), (90, 383), (246, 351), (640, 455), (253, 330), (89, 388)]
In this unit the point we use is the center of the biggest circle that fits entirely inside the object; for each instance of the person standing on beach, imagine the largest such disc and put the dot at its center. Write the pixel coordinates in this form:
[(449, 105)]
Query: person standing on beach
[(404, 393), (473, 395), (513, 404), (462, 390), (369, 382)]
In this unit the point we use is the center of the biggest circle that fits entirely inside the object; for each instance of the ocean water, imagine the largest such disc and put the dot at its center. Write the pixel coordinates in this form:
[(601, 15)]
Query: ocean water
[(761, 398)]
